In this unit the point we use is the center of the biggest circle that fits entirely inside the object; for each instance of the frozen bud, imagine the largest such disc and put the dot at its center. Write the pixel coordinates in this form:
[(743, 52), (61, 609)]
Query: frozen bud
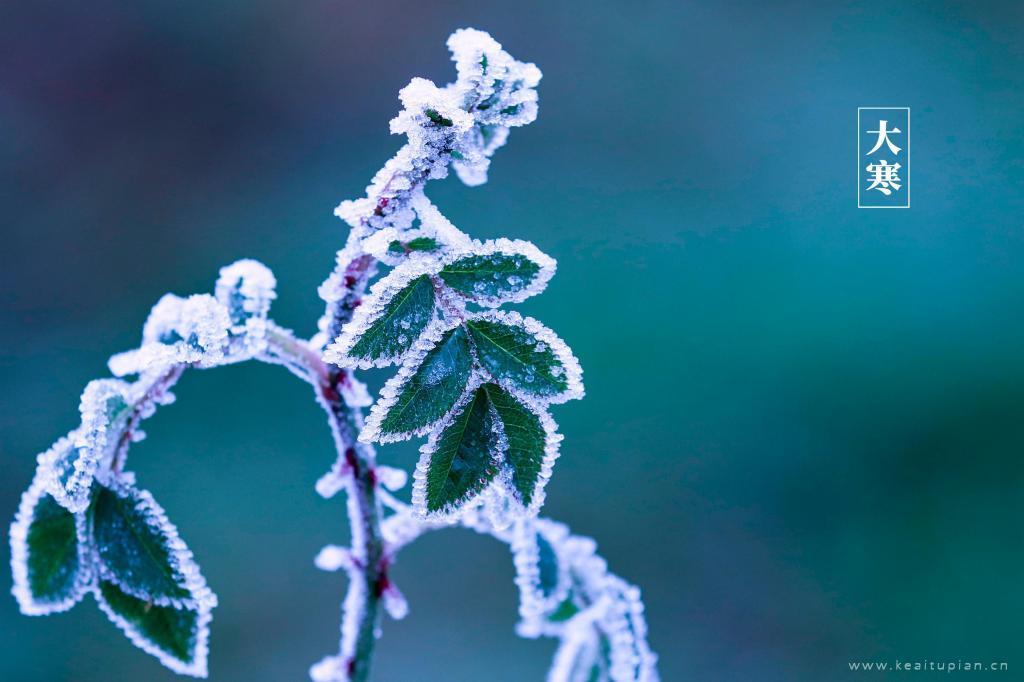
[(246, 289)]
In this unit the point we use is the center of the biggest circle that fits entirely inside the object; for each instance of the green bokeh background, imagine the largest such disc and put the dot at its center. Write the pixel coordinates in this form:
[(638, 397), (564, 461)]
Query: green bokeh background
[(804, 422)]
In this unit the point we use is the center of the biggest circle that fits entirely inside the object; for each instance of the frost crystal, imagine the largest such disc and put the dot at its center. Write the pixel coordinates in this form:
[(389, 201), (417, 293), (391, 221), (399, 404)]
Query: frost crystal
[(246, 288)]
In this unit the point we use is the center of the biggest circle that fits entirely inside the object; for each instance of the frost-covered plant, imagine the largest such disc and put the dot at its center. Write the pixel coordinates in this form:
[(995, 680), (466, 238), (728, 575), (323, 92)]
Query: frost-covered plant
[(477, 380)]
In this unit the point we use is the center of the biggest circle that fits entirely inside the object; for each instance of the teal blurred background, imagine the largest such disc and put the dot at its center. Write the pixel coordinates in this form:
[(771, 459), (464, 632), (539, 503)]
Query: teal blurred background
[(804, 422)]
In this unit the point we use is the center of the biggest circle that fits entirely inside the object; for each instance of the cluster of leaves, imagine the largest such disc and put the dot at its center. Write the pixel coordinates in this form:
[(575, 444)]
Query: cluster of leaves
[(83, 525), (121, 549), (479, 382)]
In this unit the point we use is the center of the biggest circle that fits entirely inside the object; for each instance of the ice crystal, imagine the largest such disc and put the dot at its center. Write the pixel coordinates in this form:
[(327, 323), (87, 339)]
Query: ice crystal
[(246, 288)]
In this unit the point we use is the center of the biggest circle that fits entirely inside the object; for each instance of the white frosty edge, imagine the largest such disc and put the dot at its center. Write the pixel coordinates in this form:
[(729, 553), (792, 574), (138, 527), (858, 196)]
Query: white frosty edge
[(91, 442), (50, 477), (576, 656), (436, 224), (372, 308), (552, 442), (427, 450), (253, 280), (27, 603), (570, 365), (196, 668), (393, 388), (526, 558), (508, 247), (187, 572)]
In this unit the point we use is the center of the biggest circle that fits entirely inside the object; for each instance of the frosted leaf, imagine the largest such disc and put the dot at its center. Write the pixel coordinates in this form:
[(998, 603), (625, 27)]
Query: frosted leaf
[(246, 289), (541, 575), (531, 442), (392, 247), (498, 90), (498, 271), (71, 464), (57, 469), (194, 330), (140, 550), (372, 337), (460, 458), (49, 559), (432, 378), (178, 636), (525, 357)]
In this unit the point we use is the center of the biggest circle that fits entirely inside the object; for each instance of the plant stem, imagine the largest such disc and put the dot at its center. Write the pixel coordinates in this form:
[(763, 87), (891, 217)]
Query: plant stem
[(356, 462), (362, 605)]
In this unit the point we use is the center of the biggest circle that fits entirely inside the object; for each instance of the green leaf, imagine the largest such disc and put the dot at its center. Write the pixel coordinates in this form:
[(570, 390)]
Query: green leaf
[(547, 565), (499, 272), (50, 572), (461, 460), (415, 244), (394, 324), (564, 611), (410, 405), (527, 442), (517, 358), (170, 633), (437, 118), (134, 542)]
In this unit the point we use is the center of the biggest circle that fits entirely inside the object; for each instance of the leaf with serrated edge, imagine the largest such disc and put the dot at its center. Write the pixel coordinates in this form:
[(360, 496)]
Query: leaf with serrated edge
[(541, 574), (499, 271), (525, 357), (139, 548), (531, 441), (459, 459), (177, 636), (390, 319), (426, 387), (49, 563)]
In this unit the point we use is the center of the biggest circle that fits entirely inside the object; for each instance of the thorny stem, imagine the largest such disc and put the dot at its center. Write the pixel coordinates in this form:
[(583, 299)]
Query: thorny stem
[(356, 463)]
